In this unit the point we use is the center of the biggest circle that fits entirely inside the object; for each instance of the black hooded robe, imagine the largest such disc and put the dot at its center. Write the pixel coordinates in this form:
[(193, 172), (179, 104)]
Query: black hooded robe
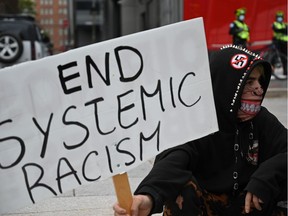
[(256, 149)]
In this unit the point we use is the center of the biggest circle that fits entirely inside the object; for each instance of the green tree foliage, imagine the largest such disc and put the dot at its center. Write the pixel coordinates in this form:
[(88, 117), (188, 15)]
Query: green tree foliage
[(27, 6)]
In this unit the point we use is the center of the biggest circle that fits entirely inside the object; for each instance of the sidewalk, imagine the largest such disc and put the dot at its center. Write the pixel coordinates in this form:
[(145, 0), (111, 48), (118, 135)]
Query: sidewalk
[(97, 198), (277, 88)]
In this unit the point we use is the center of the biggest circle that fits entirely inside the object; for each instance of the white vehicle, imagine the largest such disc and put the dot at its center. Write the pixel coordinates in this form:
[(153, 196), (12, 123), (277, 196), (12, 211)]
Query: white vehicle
[(20, 40)]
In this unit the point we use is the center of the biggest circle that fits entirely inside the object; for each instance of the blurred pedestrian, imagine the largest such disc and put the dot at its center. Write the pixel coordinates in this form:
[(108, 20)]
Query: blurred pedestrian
[(280, 37), (239, 29), (239, 170)]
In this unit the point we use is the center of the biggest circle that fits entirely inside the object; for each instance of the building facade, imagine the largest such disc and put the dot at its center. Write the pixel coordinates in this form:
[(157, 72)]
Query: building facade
[(139, 15), (98, 20), (76, 23), (52, 17)]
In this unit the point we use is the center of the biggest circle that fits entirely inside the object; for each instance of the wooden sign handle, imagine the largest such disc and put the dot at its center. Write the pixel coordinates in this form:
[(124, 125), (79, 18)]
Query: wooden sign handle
[(123, 191)]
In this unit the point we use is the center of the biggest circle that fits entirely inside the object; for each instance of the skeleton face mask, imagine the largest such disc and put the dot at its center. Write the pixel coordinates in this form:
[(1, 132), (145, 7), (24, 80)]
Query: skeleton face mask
[(252, 96)]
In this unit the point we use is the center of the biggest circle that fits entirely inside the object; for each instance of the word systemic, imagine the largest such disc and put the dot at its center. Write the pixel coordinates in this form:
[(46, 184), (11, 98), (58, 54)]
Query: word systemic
[(164, 102)]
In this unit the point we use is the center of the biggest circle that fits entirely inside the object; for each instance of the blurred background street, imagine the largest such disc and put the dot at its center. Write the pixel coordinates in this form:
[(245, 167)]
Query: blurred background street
[(68, 24)]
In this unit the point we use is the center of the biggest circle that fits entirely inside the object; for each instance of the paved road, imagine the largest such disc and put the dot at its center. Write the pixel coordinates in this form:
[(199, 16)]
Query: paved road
[(97, 199)]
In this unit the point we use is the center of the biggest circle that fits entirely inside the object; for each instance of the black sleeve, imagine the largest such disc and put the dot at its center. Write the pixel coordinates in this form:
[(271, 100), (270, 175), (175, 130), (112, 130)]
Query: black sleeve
[(268, 182), (270, 178), (234, 30), (171, 171)]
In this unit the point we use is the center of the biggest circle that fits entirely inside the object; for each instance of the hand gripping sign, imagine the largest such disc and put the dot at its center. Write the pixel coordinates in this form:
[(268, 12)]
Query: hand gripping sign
[(101, 110)]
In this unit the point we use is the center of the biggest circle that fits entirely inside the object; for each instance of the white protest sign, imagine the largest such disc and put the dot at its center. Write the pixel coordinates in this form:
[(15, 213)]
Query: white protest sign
[(96, 111)]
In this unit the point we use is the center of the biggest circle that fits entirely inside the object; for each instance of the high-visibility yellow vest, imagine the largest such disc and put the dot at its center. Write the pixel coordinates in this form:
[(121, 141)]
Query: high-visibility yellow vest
[(245, 33), (279, 35)]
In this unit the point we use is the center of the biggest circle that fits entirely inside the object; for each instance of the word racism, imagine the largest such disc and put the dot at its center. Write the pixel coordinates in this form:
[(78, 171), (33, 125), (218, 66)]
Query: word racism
[(168, 94)]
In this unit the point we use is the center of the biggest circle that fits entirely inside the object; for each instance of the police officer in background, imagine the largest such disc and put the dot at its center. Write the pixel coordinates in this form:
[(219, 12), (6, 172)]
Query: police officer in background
[(280, 37), (239, 29)]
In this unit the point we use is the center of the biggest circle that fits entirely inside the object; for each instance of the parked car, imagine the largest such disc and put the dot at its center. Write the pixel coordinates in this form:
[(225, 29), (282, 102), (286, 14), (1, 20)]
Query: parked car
[(20, 40)]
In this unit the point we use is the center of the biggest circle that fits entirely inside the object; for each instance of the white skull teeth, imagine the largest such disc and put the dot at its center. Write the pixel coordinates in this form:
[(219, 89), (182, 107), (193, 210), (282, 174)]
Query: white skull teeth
[(250, 108)]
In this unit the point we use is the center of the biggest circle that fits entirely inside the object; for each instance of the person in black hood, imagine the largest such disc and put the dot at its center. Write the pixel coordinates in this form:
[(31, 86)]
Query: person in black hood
[(239, 170)]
